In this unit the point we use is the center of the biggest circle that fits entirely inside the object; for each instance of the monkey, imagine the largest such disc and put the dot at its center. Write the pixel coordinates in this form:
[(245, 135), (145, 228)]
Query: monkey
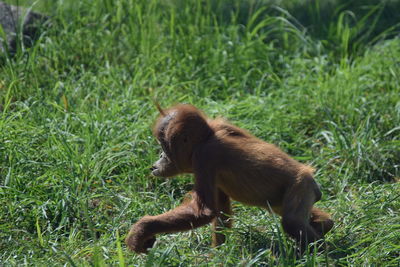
[(228, 163)]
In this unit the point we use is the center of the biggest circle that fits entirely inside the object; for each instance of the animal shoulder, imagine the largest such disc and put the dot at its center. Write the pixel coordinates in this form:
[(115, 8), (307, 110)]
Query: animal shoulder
[(222, 128)]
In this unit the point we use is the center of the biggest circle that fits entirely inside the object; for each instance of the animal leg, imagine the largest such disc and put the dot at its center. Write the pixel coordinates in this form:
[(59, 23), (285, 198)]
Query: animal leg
[(222, 220), (297, 204)]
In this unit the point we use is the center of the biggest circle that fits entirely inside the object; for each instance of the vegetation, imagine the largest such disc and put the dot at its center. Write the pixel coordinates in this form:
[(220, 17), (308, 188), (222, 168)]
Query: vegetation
[(321, 79)]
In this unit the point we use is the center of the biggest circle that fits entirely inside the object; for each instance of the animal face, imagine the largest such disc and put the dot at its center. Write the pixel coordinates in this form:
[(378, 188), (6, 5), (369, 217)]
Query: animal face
[(164, 167)]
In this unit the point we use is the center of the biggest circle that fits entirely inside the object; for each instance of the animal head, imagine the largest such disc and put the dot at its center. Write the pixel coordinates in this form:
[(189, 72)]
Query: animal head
[(179, 130)]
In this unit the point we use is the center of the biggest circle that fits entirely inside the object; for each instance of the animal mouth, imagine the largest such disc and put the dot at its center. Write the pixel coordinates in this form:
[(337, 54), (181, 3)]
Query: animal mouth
[(155, 171)]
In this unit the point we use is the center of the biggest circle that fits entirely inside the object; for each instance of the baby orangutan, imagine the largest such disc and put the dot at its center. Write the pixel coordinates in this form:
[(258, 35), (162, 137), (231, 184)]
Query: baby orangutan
[(228, 162)]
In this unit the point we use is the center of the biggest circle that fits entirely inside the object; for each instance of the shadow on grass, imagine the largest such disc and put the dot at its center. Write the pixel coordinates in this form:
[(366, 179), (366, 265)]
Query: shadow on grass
[(284, 248), (315, 15), (343, 27)]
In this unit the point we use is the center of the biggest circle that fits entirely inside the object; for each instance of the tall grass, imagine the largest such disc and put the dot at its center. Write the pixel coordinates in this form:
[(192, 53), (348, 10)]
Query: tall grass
[(76, 113)]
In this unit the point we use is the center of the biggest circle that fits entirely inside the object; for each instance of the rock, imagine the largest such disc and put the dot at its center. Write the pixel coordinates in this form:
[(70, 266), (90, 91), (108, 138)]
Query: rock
[(15, 20)]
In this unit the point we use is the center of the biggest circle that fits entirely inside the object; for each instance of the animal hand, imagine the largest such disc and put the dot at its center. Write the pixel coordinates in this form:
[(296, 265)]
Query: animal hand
[(137, 239), (140, 246)]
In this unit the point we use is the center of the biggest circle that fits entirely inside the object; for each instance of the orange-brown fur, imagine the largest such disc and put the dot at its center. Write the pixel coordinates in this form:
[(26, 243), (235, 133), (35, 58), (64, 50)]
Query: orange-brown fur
[(228, 163)]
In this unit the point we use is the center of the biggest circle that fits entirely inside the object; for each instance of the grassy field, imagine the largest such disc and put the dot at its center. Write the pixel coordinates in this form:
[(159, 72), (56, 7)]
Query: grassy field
[(321, 79)]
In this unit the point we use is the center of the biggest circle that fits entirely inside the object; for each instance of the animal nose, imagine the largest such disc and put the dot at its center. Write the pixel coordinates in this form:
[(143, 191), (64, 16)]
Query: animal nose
[(152, 168)]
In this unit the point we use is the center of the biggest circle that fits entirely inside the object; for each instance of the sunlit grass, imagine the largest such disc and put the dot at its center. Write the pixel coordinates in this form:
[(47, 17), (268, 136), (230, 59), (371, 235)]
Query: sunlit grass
[(76, 113)]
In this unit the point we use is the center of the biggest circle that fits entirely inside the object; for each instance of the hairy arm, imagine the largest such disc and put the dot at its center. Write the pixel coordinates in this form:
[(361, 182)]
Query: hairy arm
[(195, 211)]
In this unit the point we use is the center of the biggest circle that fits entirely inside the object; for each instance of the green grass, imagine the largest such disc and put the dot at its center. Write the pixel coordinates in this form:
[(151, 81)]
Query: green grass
[(319, 79)]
